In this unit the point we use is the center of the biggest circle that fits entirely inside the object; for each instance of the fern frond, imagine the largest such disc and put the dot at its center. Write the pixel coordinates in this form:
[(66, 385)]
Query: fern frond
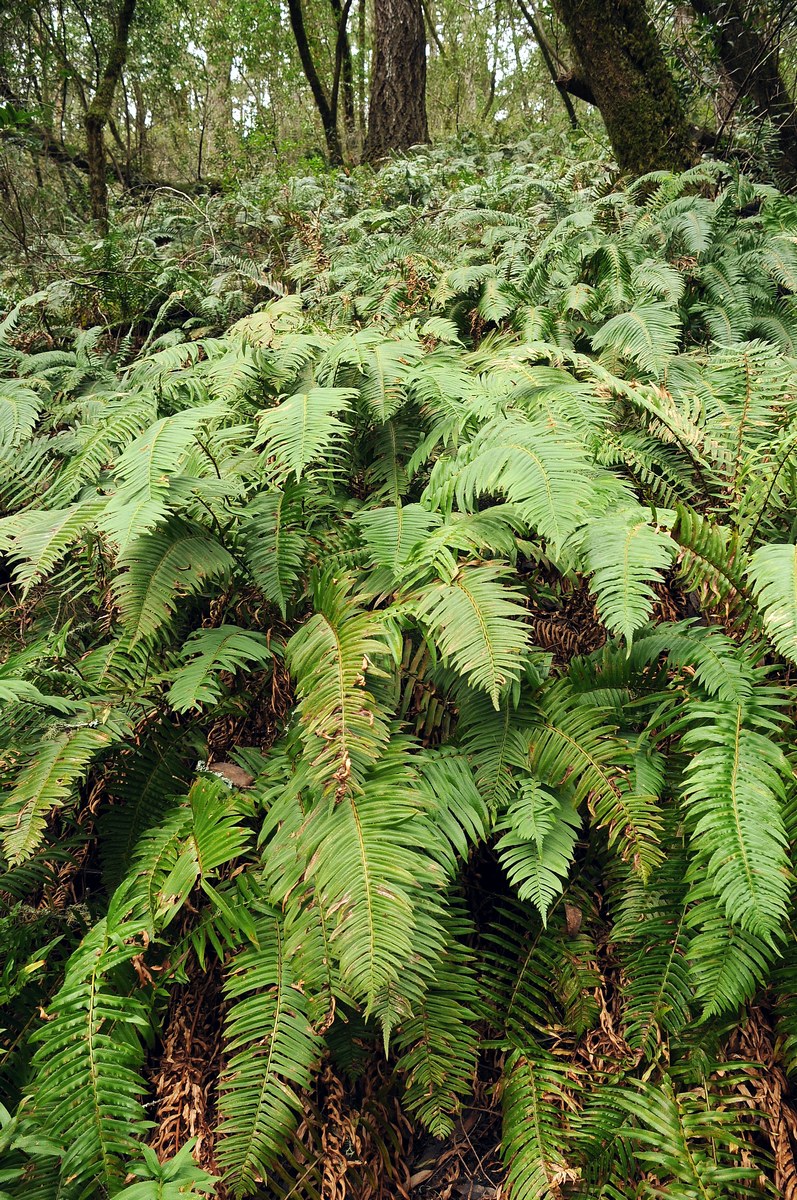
[(546, 475), (733, 790), (51, 774), (37, 539), (626, 554), (438, 1046), (371, 866), (157, 569), (537, 848), (19, 410), (274, 542), (572, 744), (773, 572), (271, 1050), (87, 1083), (305, 427), (648, 334), (534, 1144), (476, 621), (330, 657), (208, 652)]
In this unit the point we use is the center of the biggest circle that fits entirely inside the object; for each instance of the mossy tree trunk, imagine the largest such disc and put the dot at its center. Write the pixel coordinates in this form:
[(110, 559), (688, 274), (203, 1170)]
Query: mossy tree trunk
[(749, 57), (397, 108), (99, 112), (622, 62)]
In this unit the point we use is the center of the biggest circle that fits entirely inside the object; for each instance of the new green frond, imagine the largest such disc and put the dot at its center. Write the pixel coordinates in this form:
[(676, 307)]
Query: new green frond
[(773, 571), (626, 554)]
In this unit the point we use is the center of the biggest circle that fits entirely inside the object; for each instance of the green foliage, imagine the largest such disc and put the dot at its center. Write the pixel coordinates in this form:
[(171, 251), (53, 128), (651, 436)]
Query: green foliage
[(466, 567)]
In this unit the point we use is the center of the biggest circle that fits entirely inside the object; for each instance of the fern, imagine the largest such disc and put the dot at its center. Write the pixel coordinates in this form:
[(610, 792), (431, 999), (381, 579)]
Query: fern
[(537, 848), (158, 568), (304, 428), (274, 543), (45, 782), (329, 657), (733, 788), (208, 653), (475, 620), (772, 571), (466, 567), (626, 554), (90, 1055), (533, 1139), (272, 1049)]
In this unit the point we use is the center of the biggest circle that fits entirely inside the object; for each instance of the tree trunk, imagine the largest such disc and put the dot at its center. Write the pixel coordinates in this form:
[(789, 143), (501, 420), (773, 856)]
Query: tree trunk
[(624, 67), (750, 61), (343, 50), (397, 109), (326, 111), (99, 112)]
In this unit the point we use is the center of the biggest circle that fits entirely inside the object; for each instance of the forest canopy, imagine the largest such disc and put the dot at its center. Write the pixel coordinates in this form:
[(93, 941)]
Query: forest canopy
[(398, 624)]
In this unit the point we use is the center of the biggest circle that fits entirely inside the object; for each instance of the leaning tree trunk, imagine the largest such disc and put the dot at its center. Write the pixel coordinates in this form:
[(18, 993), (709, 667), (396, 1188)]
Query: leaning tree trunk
[(397, 108), (624, 67), (99, 112), (327, 108), (750, 61)]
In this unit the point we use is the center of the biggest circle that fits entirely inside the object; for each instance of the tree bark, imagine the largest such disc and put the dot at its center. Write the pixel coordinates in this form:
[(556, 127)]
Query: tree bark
[(326, 111), (623, 66), (397, 109), (99, 112), (750, 61)]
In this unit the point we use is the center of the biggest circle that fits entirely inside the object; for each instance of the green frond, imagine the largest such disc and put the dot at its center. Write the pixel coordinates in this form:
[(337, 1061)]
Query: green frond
[(271, 1050), (437, 1048), (146, 470), (727, 963), (626, 554), (87, 1086), (19, 411), (546, 475), (536, 849), (652, 942), (378, 367), (330, 657), (373, 865), (207, 653), (476, 621), (533, 1135), (156, 570), (275, 543), (37, 539), (51, 774), (304, 428), (572, 744), (648, 335), (773, 572), (391, 533), (495, 741), (733, 790), (720, 665), (693, 1145), (711, 559), (453, 804)]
